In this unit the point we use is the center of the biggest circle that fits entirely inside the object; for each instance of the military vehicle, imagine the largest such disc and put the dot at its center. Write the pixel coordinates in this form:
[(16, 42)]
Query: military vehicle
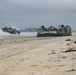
[(52, 31), (11, 30)]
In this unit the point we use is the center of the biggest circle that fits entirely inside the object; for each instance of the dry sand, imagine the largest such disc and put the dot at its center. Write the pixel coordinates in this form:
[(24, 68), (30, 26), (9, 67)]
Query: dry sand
[(38, 56)]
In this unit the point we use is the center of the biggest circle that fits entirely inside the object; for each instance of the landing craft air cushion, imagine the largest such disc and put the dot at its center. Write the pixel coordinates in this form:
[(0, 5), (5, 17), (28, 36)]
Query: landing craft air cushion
[(52, 31), (11, 30)]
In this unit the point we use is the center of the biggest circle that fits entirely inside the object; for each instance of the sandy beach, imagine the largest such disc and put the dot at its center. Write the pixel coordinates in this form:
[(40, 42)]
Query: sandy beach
[(38, 56)]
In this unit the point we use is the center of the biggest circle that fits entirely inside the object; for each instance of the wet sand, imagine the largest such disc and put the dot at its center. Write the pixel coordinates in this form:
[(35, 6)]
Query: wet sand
[(38, 56)]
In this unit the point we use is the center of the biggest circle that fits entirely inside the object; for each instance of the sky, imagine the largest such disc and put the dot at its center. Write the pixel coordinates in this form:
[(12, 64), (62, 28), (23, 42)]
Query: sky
[(34, 13)]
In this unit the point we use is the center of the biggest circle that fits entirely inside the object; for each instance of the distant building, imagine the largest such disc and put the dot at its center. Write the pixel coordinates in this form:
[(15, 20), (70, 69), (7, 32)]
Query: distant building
[(29, 30)]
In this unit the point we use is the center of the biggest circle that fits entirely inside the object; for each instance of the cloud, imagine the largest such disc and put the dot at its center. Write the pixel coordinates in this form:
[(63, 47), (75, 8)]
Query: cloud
[(30, 13)]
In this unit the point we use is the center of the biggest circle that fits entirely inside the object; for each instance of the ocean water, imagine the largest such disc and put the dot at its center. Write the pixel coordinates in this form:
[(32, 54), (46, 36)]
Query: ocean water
[(4, 35)]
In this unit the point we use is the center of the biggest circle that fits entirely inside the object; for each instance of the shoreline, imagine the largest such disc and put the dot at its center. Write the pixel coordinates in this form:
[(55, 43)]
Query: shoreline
[(38, 56)]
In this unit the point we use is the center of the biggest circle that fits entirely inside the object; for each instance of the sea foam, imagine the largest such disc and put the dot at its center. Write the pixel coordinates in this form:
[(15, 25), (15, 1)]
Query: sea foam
[(4, 35)]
